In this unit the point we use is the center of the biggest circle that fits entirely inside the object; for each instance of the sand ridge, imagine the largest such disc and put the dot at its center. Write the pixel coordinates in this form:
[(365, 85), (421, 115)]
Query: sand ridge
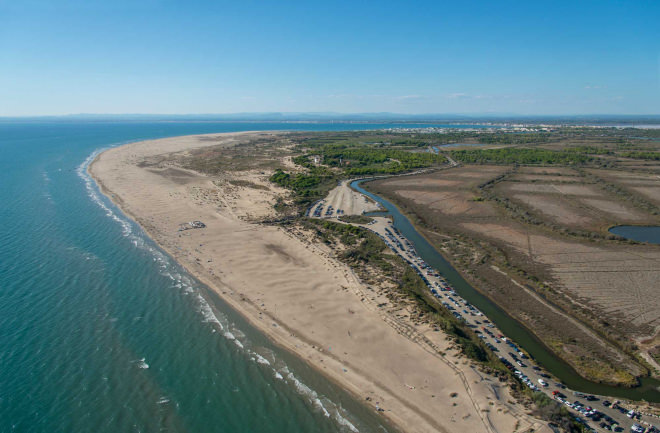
[(306, 301)]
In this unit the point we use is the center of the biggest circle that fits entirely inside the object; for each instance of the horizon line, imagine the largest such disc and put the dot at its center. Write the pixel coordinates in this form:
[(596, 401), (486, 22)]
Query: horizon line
[(436, 116)]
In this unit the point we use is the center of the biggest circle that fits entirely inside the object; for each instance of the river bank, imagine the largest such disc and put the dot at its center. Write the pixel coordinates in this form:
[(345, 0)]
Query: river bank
[(296, 293), (648, 389)]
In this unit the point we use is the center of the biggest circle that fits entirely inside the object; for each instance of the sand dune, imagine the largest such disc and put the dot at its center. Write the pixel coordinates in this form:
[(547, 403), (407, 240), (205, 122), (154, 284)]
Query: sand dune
[(297, 294)]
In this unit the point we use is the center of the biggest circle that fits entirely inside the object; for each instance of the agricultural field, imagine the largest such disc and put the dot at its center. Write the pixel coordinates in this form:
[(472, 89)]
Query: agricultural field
[(569, 199), (535, 240), (634, 182)]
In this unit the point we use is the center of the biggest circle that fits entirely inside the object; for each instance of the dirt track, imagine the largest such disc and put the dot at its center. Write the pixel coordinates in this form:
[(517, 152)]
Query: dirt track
[(342, 200)]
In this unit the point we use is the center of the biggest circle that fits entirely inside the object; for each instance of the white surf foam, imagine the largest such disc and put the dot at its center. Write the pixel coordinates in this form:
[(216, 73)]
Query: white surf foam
[(141, 364), (207, 312), (183, 282), (261, 360), (320, 406), (94, 195), (345, 422)]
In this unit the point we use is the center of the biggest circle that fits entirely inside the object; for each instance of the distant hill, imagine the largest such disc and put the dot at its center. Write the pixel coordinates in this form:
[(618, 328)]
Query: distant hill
[(439, 118)]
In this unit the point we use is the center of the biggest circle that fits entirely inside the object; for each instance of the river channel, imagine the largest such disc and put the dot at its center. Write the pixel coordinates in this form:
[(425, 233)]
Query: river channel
[(649, 388)]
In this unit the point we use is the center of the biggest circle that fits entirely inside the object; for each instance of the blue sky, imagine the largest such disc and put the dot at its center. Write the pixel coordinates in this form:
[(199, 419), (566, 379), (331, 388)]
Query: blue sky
[(160, 56)]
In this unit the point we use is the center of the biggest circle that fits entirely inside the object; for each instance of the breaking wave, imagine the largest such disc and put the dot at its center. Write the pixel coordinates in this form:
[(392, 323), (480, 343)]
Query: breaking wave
[(216, 319)]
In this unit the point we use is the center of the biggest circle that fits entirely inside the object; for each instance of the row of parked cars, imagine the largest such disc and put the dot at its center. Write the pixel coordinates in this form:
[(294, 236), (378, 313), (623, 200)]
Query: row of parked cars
[(457, 305), (606, 421), (318, 210)]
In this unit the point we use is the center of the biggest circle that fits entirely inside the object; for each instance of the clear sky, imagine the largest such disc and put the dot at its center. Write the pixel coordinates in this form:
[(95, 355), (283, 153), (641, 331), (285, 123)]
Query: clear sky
[(195, 56)]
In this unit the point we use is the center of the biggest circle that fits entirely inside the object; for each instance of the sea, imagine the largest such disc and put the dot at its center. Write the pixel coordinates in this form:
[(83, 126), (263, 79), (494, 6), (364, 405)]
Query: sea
[(101, 331)]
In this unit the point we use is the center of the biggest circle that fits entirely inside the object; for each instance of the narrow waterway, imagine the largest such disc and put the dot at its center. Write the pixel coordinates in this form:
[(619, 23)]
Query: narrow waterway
[(649, 388)]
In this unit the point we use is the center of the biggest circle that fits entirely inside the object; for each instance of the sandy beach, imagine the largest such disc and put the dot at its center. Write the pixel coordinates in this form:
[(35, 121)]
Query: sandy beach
[(295, 292)]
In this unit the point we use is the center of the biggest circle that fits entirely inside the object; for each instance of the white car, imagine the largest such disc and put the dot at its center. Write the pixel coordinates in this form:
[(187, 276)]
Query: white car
[(543, 383)]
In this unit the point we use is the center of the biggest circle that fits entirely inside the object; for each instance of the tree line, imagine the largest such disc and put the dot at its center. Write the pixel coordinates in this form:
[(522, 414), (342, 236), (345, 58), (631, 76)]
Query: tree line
[(520, 155)]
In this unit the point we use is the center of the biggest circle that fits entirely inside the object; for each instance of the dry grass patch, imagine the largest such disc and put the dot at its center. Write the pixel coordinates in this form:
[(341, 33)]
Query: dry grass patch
[(650, 192), (556, 188), (645, 186), (545, 178), (448, 202), (557, 209), (548, 171), (617, 211)]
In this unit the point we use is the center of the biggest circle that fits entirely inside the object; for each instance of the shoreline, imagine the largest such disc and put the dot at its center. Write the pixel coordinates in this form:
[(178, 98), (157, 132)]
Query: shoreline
[(279, 339), (344, 371)]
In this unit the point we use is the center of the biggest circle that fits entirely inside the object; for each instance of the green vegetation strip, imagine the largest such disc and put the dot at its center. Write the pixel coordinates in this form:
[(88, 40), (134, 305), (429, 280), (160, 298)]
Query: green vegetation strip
[(550, 410), (306, 187), (521, 155), (364, 161), (324, 160), (355, 219), (649, 156)]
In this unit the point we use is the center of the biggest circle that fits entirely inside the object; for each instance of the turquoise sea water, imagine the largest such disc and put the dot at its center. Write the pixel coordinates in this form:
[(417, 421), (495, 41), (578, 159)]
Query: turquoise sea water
[(102, 332)]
